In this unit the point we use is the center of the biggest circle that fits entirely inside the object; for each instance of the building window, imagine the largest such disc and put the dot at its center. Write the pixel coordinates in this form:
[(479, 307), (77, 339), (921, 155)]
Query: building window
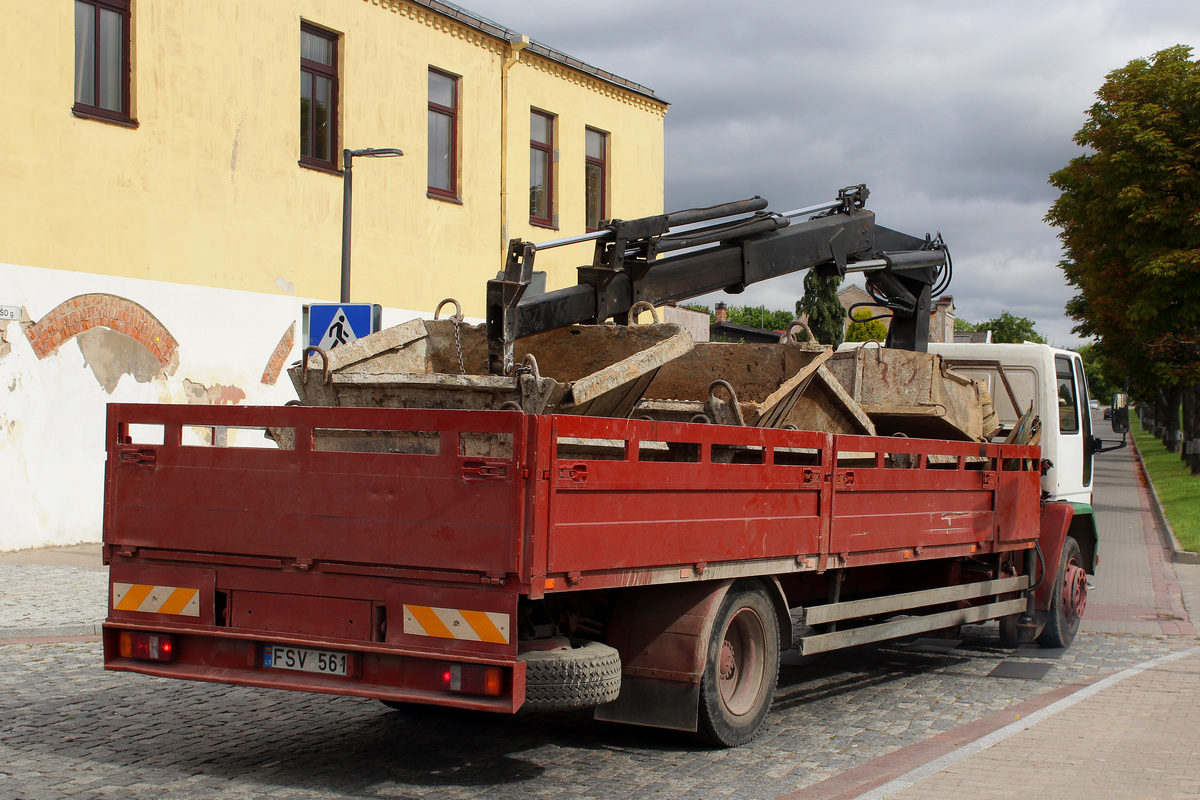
[(1068, 410), (318, 97), (102, 59), (443, 134), (541, 168), (595, 177)]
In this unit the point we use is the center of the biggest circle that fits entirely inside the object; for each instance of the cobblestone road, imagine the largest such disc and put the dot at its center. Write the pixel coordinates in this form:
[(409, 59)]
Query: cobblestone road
[(71, 730)]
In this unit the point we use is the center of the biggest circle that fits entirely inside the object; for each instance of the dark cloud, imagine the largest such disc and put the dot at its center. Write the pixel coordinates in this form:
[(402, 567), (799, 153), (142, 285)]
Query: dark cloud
[(954, 114)]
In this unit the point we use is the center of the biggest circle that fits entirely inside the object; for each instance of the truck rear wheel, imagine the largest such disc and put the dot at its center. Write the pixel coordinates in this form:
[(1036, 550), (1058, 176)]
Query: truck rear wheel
[(583, 676), (1068, 600), (742, 667)]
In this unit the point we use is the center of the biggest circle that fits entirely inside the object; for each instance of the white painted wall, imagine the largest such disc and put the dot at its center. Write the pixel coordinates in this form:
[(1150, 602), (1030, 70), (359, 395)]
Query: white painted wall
[(52, 410)]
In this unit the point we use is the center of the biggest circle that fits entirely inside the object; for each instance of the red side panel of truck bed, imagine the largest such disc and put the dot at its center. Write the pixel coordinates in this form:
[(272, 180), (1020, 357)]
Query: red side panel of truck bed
[(551, 495), (440, 508)]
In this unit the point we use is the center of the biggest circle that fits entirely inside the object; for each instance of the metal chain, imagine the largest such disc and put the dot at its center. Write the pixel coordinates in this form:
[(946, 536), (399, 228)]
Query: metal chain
[(462, 370), (457, 320)]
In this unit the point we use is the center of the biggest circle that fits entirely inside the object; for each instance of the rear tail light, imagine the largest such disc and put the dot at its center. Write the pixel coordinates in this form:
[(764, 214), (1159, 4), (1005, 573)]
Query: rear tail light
[(472, 679), (146, 646)]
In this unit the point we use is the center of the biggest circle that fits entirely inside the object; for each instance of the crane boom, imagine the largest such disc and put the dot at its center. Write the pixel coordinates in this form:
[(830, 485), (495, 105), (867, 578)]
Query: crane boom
[(837, 237)]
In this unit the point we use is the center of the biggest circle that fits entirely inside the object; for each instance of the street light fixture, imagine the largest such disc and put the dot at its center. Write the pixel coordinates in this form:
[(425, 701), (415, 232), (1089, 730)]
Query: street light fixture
[(347, 157)]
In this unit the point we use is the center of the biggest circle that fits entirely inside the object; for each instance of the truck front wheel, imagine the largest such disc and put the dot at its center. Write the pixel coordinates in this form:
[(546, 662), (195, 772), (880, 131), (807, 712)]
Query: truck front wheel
[(1068, 600), (742, 667)]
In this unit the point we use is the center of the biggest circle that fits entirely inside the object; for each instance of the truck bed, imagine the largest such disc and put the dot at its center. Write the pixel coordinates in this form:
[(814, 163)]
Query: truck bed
[(544, 503), (402, 544)]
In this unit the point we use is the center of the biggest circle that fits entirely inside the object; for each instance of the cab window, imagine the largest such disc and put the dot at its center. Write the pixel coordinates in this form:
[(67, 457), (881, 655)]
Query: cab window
[(1068, 405)]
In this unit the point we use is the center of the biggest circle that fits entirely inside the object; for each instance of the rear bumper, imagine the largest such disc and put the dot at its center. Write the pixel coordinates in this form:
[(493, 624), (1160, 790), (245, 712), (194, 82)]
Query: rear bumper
[(375, 670)]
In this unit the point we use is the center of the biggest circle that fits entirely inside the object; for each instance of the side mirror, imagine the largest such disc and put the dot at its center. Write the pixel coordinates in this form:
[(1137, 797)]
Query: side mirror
[(1120, 412)]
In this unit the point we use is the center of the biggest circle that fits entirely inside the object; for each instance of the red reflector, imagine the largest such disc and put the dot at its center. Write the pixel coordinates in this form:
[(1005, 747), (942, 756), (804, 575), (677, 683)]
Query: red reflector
[(472, 679), (146, 646)]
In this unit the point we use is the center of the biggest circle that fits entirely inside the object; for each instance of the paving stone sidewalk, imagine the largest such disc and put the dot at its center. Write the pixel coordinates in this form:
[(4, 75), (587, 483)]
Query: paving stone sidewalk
[(38, 600), (1133, 739)]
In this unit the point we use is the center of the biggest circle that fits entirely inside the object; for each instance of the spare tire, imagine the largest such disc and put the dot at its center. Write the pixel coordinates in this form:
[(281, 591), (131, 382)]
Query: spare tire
[(587, 674)]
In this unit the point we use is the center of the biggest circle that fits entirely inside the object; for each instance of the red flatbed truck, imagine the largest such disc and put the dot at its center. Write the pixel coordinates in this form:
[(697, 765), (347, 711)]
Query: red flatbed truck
[(501, 560), (649, 569)]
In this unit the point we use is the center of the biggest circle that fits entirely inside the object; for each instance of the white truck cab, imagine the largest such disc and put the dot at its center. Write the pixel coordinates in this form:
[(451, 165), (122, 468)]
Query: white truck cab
[(1054, 382)]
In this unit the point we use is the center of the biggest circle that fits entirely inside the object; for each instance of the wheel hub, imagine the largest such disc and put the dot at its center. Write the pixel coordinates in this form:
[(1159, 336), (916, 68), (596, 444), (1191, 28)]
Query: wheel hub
[(728, 661), (1074, 591)]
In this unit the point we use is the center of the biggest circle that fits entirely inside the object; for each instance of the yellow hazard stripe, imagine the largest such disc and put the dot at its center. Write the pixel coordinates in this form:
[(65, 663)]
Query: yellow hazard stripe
[(429, 622), (133, 598), (178, 601), (483, 626), (175, 600), (457, 623)]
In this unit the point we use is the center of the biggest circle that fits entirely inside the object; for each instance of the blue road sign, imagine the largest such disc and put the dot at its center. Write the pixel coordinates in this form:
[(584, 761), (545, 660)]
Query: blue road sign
[(333, 324)]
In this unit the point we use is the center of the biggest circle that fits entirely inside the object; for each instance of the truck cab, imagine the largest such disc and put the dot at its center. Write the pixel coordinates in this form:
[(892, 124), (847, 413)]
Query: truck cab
[(1053, 381)]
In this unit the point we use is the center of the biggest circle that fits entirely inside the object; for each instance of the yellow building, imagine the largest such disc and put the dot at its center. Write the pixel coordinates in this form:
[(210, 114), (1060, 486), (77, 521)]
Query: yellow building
[(171, 185), (163, 142)]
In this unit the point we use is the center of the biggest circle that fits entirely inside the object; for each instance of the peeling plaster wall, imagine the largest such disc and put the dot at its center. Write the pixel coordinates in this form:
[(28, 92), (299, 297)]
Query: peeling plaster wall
[(52, 409)]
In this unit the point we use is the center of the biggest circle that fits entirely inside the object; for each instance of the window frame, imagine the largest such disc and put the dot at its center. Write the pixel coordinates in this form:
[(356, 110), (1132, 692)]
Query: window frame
[(602, 163), (123, 8), (544, 150), (330, 71), (1069, 422), (451, 112)]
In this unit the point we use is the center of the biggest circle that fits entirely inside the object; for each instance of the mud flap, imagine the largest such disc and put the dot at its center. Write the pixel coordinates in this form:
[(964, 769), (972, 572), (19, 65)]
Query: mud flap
[(662, 635), (1056, 521)]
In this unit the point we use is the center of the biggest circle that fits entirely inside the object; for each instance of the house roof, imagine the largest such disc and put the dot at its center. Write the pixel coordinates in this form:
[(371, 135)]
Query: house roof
[(484, 25)]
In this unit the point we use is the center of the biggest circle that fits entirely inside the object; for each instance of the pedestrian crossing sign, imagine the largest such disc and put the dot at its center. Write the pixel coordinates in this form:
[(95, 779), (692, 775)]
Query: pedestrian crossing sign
[(330, 325)]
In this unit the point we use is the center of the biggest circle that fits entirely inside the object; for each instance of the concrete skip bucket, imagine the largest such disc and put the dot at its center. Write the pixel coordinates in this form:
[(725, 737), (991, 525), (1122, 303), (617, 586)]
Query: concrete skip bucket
[(597, 370), (766, 385), (915, 394)]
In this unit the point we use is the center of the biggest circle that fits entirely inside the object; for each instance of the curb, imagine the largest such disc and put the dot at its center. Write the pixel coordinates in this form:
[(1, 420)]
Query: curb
[(51, 632), (1178, 555)]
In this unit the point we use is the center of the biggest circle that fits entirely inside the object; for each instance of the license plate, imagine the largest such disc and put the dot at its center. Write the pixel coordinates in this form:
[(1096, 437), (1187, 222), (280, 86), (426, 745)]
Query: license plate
[(302, 659)]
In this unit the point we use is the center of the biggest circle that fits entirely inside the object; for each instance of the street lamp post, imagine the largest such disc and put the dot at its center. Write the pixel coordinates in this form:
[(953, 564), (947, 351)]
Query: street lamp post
[(347, 157)]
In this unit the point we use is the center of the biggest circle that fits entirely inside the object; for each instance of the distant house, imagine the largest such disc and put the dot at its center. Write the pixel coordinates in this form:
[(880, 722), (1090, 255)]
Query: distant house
[(722, 330), (941, 316), (851, 296)]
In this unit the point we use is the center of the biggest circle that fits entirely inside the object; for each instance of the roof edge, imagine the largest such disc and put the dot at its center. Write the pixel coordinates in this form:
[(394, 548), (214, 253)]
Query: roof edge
[(495, 29)]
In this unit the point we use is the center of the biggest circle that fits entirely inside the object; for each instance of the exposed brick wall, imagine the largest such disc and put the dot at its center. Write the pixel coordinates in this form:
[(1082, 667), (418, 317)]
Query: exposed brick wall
[(88, 311), (275, 365)]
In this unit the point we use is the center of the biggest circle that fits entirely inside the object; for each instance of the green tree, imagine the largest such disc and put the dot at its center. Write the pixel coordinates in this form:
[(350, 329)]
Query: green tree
[(759, 317), (962, 326), (1129, 214), (820, 302), (1101, 382), (864, 329), (1010, 328), (1005, 328)]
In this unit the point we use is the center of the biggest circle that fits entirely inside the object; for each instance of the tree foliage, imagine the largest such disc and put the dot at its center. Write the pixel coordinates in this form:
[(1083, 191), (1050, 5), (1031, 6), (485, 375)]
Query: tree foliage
[(750, 316), (1005, 328), (1129, 211), (826, 315), (759, 317), (864, 329), (1101, 382)]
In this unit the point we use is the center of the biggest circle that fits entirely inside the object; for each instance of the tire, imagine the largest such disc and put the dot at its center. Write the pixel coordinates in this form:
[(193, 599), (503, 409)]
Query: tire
[(584, 676), (1069, 599), (741, 669)]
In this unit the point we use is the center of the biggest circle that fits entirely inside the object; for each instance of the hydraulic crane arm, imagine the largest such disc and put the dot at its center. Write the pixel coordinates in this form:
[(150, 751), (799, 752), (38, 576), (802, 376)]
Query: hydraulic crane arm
[(837, 237)]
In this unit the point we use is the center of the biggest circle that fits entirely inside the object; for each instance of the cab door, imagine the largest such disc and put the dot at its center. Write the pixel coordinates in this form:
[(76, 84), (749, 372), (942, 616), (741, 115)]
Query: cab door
[(1073, 468)]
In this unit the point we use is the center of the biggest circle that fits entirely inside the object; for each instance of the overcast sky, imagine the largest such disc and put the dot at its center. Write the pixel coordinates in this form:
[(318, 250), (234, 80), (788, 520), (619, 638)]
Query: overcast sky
[(953, 113)]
